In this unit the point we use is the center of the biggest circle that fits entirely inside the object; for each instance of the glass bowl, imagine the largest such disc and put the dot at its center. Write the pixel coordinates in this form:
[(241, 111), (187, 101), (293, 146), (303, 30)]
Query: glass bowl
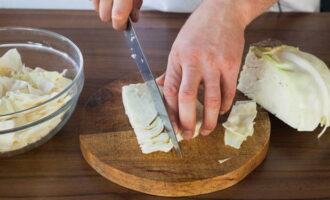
[(53, 52)]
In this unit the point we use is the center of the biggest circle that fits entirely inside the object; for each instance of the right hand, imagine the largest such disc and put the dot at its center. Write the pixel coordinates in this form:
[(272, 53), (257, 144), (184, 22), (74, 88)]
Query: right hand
[(118, 11)]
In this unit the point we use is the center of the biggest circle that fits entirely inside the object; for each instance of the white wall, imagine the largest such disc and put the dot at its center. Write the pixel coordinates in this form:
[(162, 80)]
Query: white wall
[(162, 5), (47, 4)]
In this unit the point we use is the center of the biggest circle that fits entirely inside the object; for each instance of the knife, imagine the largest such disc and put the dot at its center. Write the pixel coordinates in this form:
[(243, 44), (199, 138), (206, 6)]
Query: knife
[(144, 69)]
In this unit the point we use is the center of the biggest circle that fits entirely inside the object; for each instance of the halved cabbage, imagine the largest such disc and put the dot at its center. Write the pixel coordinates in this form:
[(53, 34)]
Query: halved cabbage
[(291, 84)]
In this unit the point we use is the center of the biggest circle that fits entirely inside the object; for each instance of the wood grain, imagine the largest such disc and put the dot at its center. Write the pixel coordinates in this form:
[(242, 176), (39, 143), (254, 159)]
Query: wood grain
[(297, 165), (117, 155)]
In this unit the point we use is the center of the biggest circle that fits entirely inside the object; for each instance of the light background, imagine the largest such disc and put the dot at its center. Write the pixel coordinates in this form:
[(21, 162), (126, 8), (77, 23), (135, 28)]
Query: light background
[(46, 4), (161, 5)]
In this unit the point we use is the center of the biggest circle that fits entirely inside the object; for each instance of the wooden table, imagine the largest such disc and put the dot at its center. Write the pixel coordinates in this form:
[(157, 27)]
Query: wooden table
[(297, 166)]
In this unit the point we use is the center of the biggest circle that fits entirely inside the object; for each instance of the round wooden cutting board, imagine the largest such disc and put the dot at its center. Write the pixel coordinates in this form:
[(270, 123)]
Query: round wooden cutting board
[(109, 145)]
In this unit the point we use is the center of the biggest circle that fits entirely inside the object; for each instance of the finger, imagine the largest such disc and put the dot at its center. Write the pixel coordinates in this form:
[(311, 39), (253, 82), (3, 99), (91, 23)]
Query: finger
[(96, 4), (105, 8), (212, 102), (136, 10), (228, 90), (120, 13), (160, 80), (187, 100), (171, 91), (173, 116), (135, 15), (137, 4)]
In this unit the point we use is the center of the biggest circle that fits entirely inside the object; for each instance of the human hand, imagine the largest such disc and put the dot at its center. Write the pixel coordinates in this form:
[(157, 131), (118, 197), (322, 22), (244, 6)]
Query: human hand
[(118, 11), (208, 51)]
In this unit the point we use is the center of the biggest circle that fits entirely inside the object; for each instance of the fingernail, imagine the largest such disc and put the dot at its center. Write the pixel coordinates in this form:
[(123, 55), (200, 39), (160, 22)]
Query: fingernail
[(187, 135), (205, 132)]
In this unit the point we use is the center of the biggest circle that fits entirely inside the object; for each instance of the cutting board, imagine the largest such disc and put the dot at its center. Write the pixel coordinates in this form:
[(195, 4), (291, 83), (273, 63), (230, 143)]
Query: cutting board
[(109, 146)]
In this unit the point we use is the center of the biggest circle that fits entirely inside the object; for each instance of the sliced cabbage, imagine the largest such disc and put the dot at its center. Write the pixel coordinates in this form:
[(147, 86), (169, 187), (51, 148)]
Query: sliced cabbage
[(10, 63), (239, 124), (8, 124), (148, 126), (138, 105), (21, 88), (151, 131), (291, 84)]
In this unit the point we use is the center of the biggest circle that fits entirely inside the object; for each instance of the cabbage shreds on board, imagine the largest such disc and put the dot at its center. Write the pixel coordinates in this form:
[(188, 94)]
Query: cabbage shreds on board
[(291, 84), (149, 128)]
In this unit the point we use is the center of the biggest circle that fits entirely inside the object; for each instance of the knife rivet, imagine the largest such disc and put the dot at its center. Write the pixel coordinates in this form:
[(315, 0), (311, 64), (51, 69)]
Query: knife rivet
[(133, 56)]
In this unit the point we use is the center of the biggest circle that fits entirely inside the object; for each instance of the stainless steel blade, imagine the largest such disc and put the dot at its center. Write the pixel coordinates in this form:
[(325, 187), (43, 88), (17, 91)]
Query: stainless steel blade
[(143, 66)]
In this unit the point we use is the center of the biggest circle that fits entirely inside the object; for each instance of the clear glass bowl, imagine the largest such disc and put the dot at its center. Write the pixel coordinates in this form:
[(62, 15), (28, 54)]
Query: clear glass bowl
[(50, 51)]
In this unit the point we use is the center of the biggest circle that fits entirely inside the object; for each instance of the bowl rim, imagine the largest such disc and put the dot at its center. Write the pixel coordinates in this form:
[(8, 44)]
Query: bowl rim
[(58, 36)]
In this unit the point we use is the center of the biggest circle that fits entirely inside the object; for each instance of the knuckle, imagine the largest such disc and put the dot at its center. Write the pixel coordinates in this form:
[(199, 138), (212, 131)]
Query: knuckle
[(231, 64), (104, 17), (212, 102), (174, 54), (231, 61), (187, 95), (171, 90), (192, 57), (118, 15)]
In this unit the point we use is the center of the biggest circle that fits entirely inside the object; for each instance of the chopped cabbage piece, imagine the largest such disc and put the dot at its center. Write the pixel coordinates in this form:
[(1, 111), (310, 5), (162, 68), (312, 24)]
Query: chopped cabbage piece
[(223, 160), (10, 63), (240, 120), (239, 124), (233, 139)]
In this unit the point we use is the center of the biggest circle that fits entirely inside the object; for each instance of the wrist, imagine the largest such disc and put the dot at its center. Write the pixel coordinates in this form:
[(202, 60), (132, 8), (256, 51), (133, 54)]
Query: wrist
[(251, 9), (242, 12)]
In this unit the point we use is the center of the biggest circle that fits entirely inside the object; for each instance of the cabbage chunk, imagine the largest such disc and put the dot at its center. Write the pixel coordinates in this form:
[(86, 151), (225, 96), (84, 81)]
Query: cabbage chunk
[(291, 84), (239, 124)]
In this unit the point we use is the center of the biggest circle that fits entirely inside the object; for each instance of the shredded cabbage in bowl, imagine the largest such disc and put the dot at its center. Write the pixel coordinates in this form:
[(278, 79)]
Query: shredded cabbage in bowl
[(22, 88)]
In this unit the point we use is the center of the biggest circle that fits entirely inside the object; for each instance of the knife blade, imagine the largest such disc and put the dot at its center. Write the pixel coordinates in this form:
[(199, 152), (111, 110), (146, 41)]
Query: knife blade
[(144, 69)]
